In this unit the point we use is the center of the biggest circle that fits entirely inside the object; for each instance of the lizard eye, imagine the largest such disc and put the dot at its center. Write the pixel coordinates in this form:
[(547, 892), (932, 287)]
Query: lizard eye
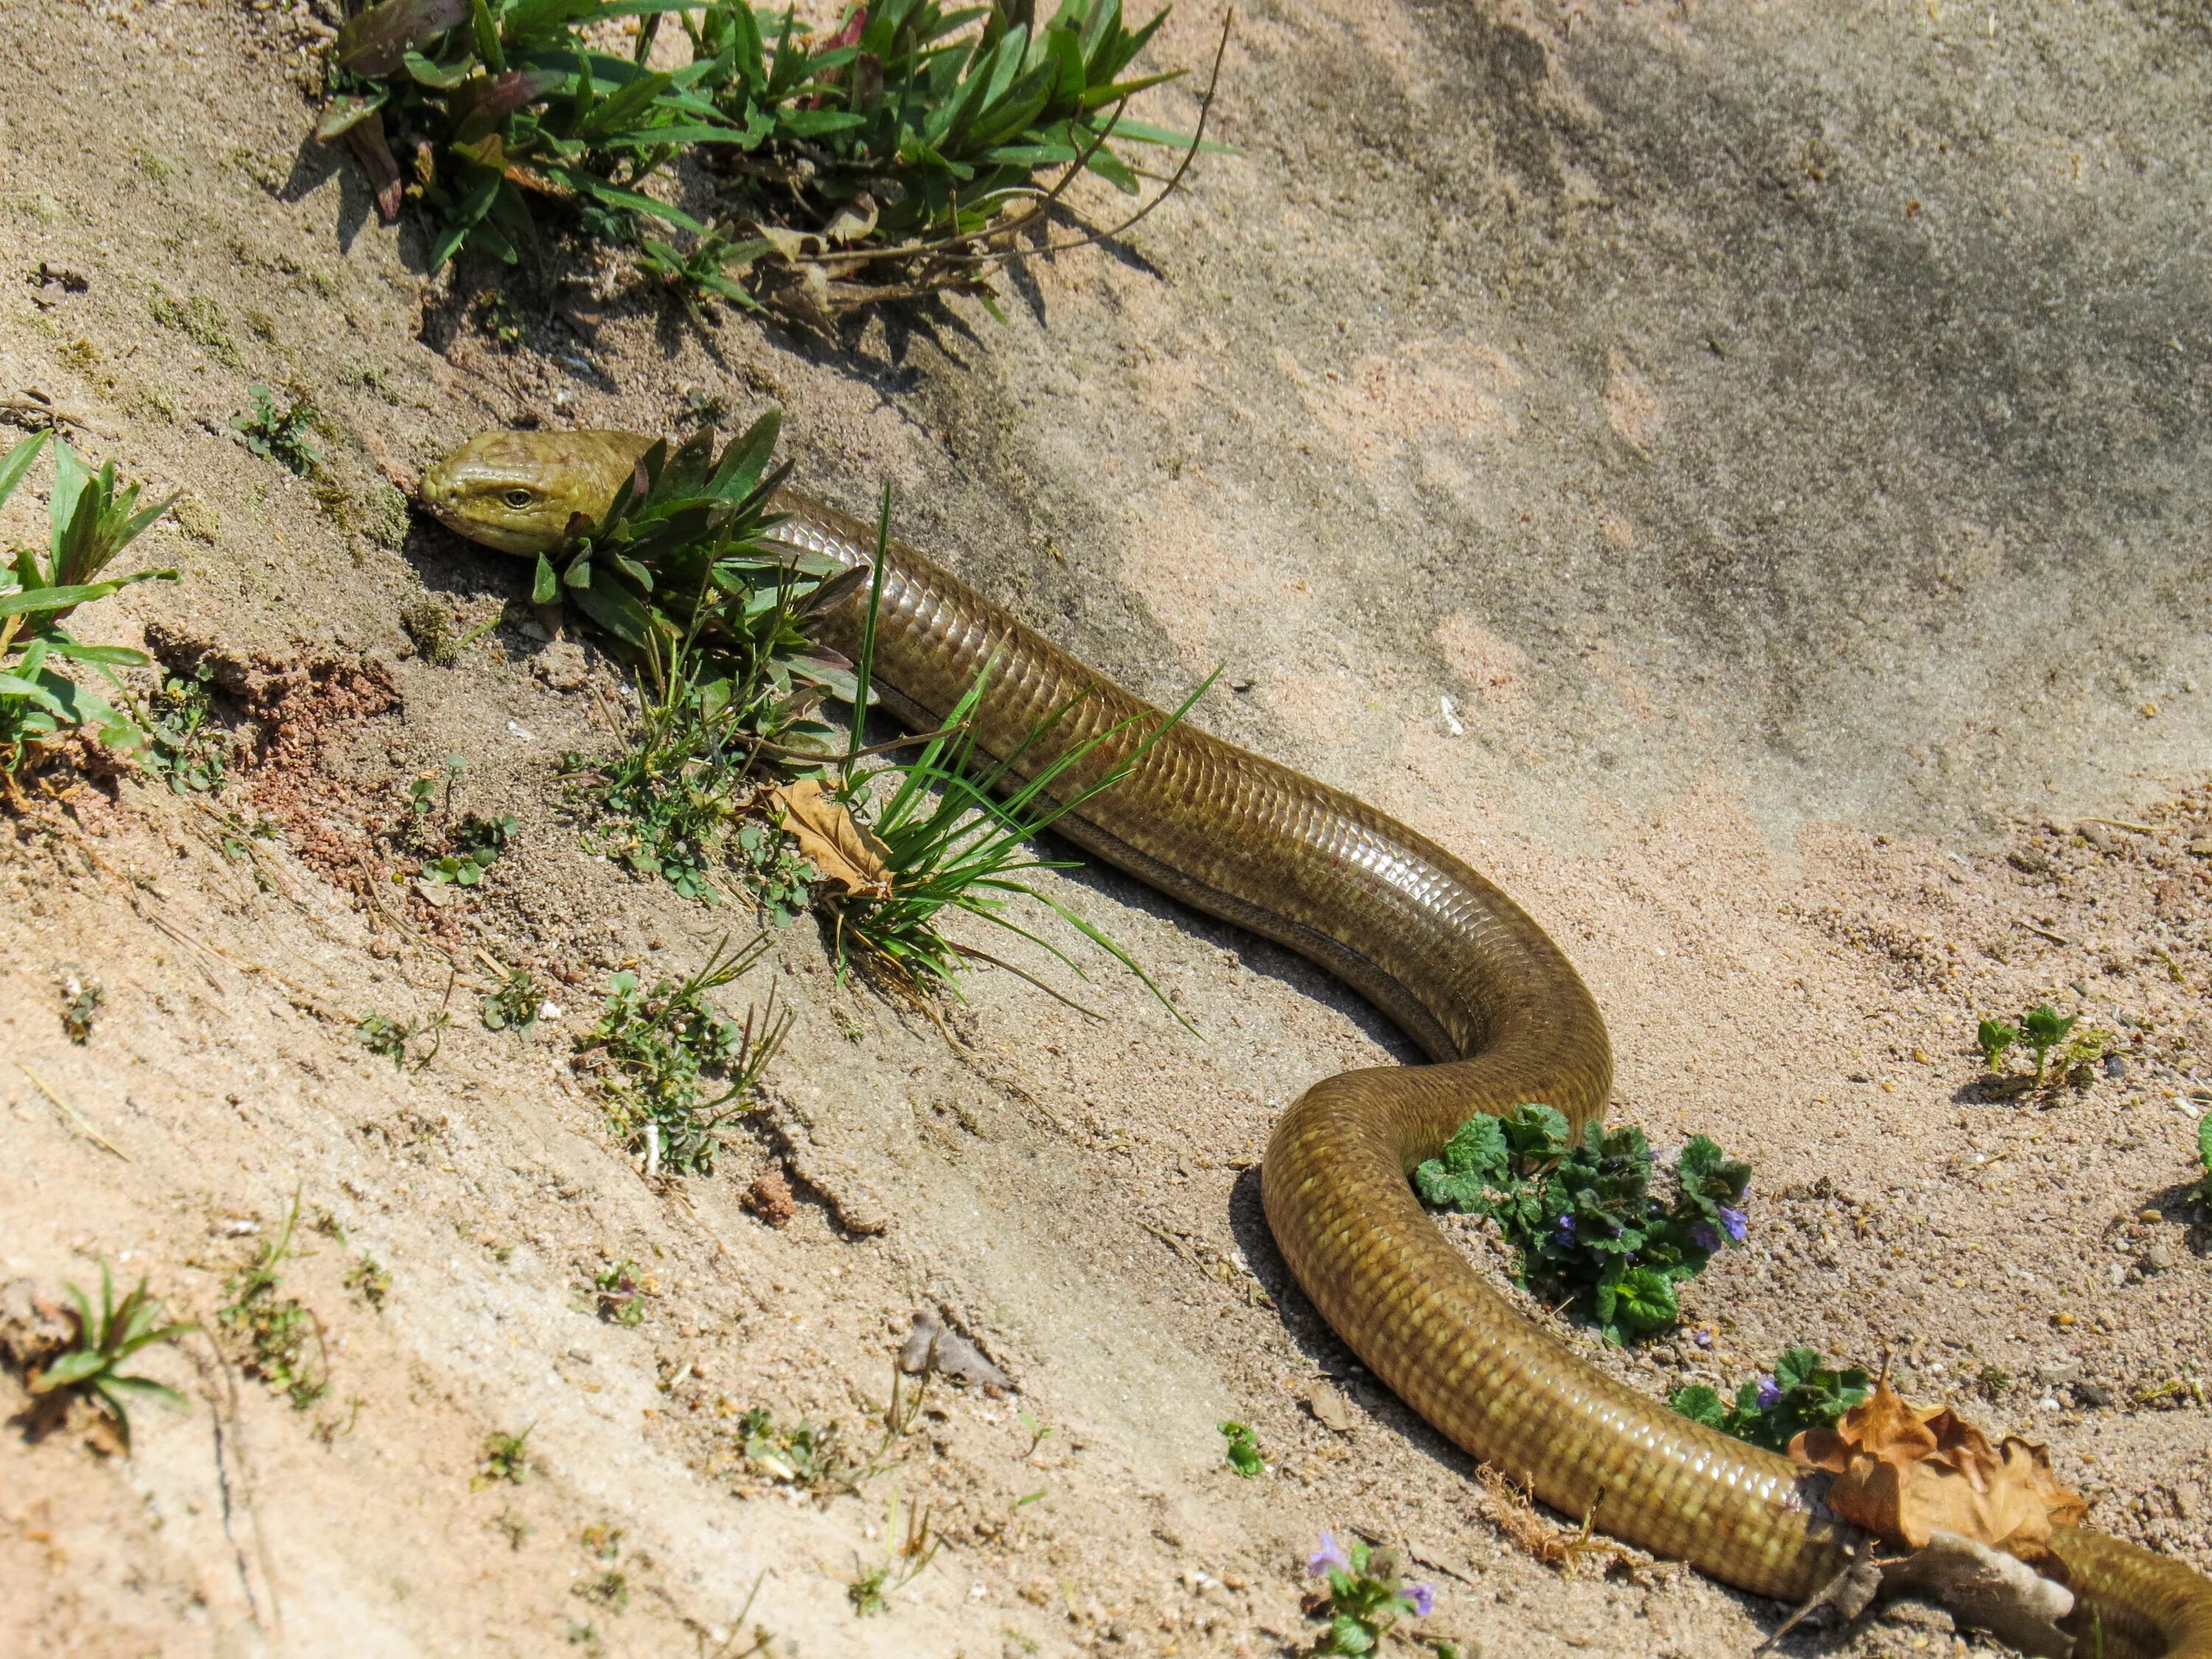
[(516, 499)]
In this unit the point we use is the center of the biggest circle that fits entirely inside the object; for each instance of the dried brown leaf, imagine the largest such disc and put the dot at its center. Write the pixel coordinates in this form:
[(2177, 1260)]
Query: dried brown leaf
[(1908, 1474), (834, 840)]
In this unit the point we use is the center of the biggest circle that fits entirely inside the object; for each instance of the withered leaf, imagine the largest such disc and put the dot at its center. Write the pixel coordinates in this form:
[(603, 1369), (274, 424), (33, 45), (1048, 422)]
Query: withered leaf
[(1908, 1474), (834, 840)]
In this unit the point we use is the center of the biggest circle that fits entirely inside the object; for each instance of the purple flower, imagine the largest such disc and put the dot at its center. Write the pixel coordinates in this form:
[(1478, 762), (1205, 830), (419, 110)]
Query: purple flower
[(1703, 1338), (1704, 1238), (1420, 1598), (1770, 1394), (1736, 1223), (1567, 1229), (1330, 1555)]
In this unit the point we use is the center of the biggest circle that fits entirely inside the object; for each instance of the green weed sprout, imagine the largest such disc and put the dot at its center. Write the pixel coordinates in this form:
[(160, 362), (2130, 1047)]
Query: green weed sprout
[(1799, 1393), (1995, 1036), (280, 434), (506, 1457), (799, 1455), (2044, 1029), (2204, 1157), (477, 843), (275, 1329), (90, 522), (105, 1339), (1581, 1214), (1242, 1450), (517, 1005), (905, 1557), (1366, 1598), (389, 1039), (620, 1292)]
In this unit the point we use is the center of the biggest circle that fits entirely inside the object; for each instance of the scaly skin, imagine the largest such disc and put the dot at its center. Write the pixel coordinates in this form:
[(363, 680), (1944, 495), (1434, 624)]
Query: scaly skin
[(1445, 954)]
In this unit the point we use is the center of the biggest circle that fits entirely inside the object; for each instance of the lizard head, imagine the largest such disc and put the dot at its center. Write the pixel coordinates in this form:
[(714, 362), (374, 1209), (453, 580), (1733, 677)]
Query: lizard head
[(518, 491)]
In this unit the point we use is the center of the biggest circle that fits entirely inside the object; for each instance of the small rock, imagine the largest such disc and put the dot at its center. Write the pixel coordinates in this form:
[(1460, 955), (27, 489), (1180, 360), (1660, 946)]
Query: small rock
[(1330, 1409), (34, 1327), (563, 666), (2093, 1397), (2115, 1066), (2158, 1260), (770, 1198)]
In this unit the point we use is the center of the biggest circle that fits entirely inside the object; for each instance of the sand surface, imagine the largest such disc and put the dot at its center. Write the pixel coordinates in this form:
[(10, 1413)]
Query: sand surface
[(1734, 473)]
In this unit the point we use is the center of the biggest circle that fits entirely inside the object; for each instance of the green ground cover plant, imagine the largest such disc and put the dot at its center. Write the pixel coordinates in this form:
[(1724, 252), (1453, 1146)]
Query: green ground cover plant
[(671, 1070), (895, 156), (1799, 1393), (1581, 1215)]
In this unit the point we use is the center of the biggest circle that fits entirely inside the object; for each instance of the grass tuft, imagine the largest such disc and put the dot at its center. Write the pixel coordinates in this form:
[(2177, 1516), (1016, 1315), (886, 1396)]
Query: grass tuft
[(106, 1337), (90, 522)]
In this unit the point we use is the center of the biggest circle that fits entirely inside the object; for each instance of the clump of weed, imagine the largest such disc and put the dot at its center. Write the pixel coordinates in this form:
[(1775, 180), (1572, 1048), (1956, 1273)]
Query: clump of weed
[(906, 1555), (1242, 1450), (394, 1040), (90, 522), (518, 1005), (280, 434), (429, 625), (370, 1281), (506, 1457), (274, 1330), (679, 575), (1581, 1214), (2046, 1033), (781, 879), (81, 1000), (799, 1455), (1799, 1393), (620, 1289), (899, 156), (186, 748), (1364, 1598), (2204, 1158), (672, 1069), (609, 1589), (106, 1337), (1992, 1382)]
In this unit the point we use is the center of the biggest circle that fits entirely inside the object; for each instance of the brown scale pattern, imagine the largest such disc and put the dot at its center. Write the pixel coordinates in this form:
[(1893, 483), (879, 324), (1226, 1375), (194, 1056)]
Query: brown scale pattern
[(1505, 1018)]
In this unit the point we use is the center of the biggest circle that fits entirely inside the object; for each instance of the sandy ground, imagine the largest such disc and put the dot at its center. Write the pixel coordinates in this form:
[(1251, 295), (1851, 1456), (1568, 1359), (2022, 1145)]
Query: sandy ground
[(1733, 473)]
